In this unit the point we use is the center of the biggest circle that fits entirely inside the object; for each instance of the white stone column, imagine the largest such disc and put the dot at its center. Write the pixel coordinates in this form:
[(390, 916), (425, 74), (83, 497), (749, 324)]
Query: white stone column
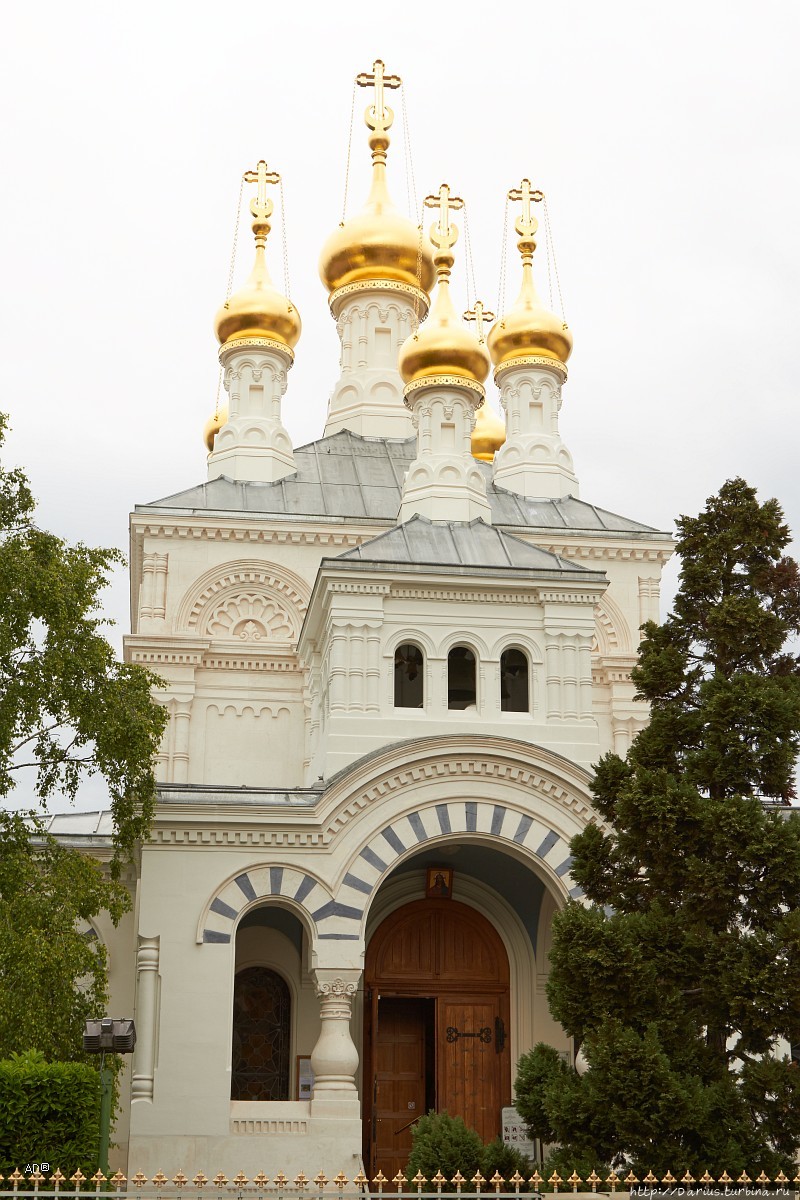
[(337, 670), (649, 596), (374, 669), (253, 443), (160, 586), (147, 586), (444, 482), (553, 677), (373, 319), (146, 1019), (180, 754), (585, 677), (533, 460), (334, 1059)]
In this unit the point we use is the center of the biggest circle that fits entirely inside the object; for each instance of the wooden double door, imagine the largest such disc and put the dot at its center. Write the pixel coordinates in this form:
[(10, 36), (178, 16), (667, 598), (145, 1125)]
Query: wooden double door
[(435, 1030)]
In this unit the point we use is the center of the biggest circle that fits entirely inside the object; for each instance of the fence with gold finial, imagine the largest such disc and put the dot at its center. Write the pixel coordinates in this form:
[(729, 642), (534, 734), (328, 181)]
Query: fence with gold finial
[(38, 1180)]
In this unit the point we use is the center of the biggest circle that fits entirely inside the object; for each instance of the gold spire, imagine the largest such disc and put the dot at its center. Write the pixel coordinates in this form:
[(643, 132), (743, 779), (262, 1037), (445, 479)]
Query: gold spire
[(489, 433), (443, 346), (258, 310), (377, 245), (528, 329)]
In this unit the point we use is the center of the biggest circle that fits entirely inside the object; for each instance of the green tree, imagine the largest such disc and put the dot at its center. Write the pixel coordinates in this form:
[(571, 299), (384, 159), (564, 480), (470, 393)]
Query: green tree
[(683, 971), (52, 978), (68, 707)]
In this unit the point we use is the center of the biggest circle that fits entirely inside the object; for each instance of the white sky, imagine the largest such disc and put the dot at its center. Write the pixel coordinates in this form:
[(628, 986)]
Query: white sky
[(666, 138)]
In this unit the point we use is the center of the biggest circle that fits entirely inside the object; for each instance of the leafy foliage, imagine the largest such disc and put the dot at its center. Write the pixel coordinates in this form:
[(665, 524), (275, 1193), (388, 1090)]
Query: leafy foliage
[(684, 969), (51, 978), (49, 1112), (444, 1143), (68, 708)]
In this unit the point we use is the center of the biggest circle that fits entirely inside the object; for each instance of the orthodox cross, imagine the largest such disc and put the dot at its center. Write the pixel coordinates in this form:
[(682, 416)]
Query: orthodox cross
[(526, 224), (382, 116), (260, 206), (444, 234), (479, 314)]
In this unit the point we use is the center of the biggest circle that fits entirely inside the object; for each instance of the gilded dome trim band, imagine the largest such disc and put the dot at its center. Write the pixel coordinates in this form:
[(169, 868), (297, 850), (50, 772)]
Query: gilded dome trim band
[(261, 343), (531, 360), (433, 381), (384, 285)]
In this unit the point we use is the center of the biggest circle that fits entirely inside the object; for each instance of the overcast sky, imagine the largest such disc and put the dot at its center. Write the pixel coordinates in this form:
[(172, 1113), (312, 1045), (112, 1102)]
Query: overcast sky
[(665, 137)]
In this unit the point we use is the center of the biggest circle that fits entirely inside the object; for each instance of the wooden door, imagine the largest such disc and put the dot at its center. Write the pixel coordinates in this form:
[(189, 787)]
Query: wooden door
[(448, 952), (399, 1084), (469, 1062)]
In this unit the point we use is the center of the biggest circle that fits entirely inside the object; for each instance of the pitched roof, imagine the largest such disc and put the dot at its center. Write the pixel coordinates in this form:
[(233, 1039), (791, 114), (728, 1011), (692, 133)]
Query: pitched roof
[(455, 543), (348, 476)]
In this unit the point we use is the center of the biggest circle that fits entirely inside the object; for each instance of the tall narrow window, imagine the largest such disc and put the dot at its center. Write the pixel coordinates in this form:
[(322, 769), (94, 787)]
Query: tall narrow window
[(260, 1055), (409, 677), (461, 691), (514, 683)]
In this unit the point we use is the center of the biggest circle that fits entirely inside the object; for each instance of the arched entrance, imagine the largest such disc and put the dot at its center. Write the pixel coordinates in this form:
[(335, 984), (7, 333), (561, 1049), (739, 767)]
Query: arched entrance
[(437, 1012)]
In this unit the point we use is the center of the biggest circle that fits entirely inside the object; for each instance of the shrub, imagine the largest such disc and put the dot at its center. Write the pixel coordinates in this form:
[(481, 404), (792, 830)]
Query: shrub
[(536, 1070), (506, 1160), (49, 1113), (444, 1143)]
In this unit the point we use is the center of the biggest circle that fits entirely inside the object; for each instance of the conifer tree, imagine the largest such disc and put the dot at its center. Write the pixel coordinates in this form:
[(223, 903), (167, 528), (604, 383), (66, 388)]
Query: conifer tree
[(682, 972)]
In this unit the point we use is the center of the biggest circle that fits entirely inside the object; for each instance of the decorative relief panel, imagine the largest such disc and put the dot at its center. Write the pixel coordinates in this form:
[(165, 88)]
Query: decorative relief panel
[(250, 617), (251, 603)]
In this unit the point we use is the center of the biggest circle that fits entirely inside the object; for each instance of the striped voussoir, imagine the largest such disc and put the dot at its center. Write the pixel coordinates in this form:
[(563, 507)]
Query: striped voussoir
[(339, 918)]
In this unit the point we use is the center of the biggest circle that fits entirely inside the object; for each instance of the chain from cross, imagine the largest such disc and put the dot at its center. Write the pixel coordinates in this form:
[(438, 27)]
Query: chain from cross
[(526, 224), (261, 207), (379, 115), (478, 314), (443, 234)]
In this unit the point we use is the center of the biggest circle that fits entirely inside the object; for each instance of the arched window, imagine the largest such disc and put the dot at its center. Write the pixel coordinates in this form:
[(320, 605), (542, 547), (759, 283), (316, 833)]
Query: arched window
[(409, 676), (514, 682), (461, 691), (260, 1055)]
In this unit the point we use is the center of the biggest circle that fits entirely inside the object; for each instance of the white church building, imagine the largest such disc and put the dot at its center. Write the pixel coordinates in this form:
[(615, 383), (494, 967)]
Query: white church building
[(390, 659)]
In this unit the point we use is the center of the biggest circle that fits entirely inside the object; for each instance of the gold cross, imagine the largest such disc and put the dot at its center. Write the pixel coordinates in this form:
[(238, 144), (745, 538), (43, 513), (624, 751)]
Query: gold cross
[(382, 116), (443, 234), (260, 206), (479, 314), (526, 224)]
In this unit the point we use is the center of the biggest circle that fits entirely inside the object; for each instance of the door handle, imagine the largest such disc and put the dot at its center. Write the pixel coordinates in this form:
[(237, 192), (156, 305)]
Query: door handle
[(499, 1034)]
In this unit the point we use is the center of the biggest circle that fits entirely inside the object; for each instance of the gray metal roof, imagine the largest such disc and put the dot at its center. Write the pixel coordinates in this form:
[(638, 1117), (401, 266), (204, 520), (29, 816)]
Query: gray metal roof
[(348, 476), (455, 543)]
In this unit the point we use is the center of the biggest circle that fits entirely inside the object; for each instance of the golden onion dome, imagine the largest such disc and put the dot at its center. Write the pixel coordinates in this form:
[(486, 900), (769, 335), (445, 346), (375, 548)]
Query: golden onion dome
[(488, 435), (259, 310), (528, 329), (376, 245), (379, 244), (213, 426), (442, 345)]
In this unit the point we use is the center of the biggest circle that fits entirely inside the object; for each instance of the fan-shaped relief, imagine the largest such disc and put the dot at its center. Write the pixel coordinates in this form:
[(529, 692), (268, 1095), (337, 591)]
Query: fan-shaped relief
[(250, 617), (246, 603)]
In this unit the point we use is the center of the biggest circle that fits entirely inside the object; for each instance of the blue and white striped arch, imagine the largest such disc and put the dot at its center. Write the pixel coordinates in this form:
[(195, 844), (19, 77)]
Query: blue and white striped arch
[(326, 918), (340, 918)]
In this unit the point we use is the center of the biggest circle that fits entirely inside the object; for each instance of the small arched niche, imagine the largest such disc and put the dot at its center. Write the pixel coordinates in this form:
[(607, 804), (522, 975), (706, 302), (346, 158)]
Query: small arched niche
[(409, 676), (515, 693), (461, 678)]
